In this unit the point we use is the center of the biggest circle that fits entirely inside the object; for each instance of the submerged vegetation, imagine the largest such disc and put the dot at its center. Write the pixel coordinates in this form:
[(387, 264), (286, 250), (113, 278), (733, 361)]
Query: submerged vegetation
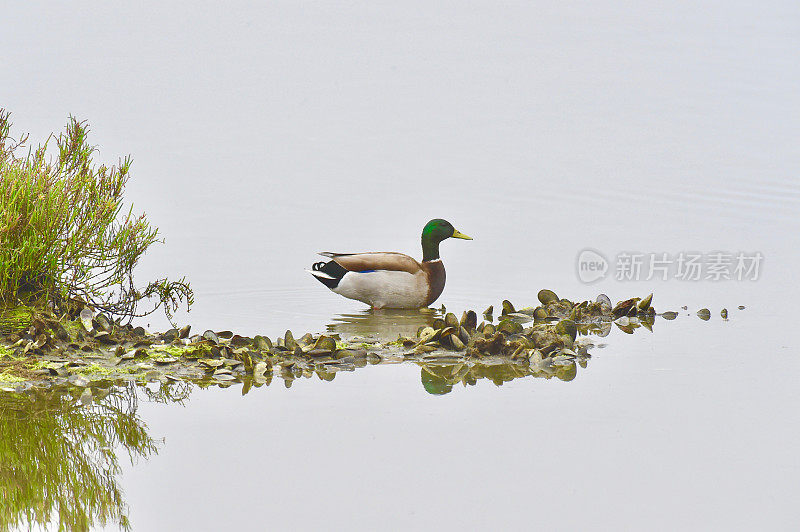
[(65, 236)]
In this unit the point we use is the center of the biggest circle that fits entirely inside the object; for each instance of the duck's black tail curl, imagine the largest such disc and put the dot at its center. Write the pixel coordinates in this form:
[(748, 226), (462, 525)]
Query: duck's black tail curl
[(332, 270)]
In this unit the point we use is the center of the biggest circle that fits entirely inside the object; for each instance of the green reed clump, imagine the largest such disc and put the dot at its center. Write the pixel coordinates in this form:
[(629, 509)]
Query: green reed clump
[(64, 234)]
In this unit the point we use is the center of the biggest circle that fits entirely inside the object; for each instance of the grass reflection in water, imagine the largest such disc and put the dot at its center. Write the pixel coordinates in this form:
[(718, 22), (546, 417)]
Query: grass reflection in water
[(59, 462)]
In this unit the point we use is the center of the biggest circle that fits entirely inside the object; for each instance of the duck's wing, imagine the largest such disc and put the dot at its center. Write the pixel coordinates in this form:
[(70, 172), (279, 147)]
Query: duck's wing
[(362, 262)]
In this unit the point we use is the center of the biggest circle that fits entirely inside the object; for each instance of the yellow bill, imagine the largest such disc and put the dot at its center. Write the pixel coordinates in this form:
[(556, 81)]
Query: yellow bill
[(458, 234)]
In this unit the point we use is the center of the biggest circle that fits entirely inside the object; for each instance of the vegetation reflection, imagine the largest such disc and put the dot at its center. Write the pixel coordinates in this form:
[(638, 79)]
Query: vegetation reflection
[(58, 456)]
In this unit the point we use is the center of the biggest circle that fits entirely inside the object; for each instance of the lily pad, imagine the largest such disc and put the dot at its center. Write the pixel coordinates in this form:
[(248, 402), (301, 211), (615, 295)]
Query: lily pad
[(325, 343), (644, 304), (86, 319), (211, 336), (262, 343), (509, 326), (469, 320), (547, 296), (604, 301)]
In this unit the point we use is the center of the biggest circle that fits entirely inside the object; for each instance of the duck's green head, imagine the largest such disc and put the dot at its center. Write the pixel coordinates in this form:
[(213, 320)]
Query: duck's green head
[(434, 232)]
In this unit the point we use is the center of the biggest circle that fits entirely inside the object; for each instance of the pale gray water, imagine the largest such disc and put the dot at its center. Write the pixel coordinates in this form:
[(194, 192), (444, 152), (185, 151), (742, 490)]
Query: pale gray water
[(262, 134)]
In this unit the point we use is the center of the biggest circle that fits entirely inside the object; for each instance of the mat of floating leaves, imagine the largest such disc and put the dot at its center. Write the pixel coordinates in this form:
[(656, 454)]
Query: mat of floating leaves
[(88, 347)]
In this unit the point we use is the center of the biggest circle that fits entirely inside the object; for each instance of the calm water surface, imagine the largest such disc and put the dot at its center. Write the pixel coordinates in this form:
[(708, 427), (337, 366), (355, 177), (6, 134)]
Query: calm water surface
[(262, 135), (686, 426)]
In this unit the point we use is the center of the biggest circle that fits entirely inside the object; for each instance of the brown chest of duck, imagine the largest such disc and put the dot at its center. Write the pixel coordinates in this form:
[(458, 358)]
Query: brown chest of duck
[(389, 279)]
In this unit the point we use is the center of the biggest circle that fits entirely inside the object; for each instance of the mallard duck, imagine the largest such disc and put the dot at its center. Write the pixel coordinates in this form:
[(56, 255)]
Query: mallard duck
[(388, 279)]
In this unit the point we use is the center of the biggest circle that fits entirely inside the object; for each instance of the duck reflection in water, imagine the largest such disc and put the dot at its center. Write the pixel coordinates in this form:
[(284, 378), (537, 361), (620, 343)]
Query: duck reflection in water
[(384, 325)]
